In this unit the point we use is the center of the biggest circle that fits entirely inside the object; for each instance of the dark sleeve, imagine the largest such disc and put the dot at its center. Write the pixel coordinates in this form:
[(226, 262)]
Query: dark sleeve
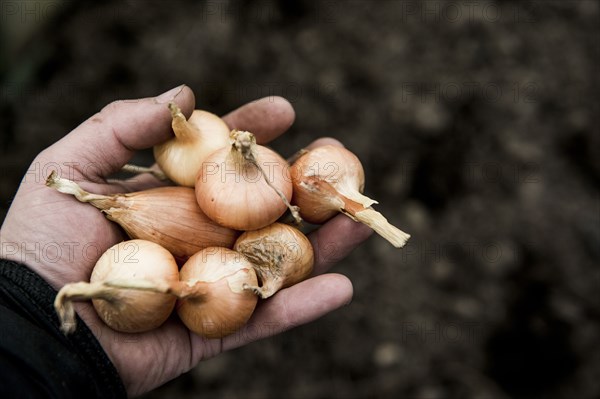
[(36, 359)]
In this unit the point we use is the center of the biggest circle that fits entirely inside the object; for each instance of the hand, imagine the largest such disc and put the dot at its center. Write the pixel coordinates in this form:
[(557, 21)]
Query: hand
[(61, 239)]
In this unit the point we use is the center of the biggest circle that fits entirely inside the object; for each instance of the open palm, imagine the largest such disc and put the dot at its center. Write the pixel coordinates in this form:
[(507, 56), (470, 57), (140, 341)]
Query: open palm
[(61, 239)]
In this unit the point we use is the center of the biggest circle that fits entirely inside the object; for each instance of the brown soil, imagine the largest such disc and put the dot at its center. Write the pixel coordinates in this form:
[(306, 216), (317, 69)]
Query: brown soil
[(477, 124)]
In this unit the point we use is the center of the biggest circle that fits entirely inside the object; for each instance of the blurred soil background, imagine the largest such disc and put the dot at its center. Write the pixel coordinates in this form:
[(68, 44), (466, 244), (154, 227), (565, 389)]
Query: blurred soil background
[(477, 124)]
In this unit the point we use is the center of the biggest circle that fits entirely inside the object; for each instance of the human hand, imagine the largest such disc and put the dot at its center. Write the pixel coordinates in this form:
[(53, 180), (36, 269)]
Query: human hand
[(61, 239)]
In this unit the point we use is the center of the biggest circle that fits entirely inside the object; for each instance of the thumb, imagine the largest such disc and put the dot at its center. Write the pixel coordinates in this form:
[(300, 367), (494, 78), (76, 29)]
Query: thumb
[(105, 142)]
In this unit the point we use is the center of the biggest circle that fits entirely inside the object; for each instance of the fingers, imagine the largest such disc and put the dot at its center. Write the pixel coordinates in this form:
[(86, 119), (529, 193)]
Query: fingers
[(334, 240), (139, 182), (105, 142), (324, 141), (266, 118), (292, 307), (317, 143)]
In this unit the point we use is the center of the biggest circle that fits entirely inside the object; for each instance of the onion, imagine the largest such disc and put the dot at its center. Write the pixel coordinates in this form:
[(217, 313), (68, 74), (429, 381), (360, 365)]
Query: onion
[(244, 186), (330, 179), (282, 256), (122, 309), (216, 303), (181, 157)]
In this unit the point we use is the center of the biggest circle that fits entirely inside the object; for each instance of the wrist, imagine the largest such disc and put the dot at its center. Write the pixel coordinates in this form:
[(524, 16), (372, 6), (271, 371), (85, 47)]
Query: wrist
[(27, 302)]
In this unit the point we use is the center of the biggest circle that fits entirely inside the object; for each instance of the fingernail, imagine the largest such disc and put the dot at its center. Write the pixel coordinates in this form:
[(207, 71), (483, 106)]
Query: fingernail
[(170, 95)]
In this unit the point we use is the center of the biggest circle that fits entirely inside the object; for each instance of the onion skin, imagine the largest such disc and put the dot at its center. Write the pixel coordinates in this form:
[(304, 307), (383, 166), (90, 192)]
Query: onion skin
[(169, 216), (124, 309), (218, 303), (135, 311), (282, 256), (330, 179), (334, 165), (181, 157), (233, 193)]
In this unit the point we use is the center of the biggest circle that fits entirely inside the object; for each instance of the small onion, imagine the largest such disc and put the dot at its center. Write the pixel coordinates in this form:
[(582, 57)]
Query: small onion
[(181, 157), (244, 186), (282, 256), (330, 179), (217, 303), (122, 309), (168, 216)]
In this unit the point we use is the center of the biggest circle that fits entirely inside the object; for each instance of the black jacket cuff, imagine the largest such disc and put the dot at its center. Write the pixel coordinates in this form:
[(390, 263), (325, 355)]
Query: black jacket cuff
[(36, 358)]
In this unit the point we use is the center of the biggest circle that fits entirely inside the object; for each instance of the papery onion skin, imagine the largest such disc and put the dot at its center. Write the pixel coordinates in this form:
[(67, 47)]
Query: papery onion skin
[(224, 305), (169, 216), (282, 256), (330, 179), (135, 311), (335, 165), (234, 194), (181, 157)]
